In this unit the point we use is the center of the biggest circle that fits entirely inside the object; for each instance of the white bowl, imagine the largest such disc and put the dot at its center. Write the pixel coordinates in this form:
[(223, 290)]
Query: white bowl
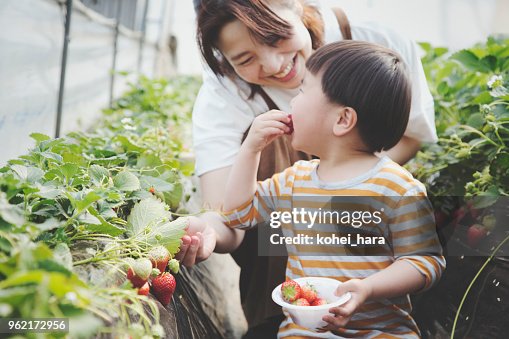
[(311, 316)]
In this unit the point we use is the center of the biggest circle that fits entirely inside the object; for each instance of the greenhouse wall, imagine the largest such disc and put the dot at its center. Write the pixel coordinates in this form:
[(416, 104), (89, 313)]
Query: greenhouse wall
[(32, 35)]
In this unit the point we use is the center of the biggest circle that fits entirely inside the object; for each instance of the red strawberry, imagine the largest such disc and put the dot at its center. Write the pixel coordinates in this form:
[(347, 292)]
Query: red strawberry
[(152, 190), (163, 287), (319, 302), (144, 290), (301, 302), (290, 290), (290, 124), (474, 234), (308, 292), (139, 272), (159, 256)]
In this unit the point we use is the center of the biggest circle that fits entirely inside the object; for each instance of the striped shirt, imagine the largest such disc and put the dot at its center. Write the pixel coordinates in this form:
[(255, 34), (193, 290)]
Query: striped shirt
[(408, 229)]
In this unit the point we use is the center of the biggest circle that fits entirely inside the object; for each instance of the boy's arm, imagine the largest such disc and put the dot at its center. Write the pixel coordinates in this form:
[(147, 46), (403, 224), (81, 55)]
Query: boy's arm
[(241, 183)]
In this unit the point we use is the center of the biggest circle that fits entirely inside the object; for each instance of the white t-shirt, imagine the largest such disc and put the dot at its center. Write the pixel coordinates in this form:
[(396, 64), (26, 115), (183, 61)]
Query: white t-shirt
[(222, 111)]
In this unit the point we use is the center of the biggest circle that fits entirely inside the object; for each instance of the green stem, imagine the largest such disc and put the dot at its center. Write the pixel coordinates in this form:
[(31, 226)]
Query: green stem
[(99, 258), (472, 284), (482, 135)]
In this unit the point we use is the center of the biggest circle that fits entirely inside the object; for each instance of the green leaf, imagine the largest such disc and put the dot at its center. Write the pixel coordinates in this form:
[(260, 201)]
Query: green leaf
[(147, 213), (49, 224), (103, 227), (98, 173), (489, 63), (148, 161), (128, 144), (50, 265), (167, 234), (29, 174), (174, 197), (11, 213), (88, 200), (483, 98), (483, 201), (16, 295), (467, 59), (51, 155), (159, 184), (126, 181), (62, 255), (48, 190), (69, 170), (39, 137), (476, 120)]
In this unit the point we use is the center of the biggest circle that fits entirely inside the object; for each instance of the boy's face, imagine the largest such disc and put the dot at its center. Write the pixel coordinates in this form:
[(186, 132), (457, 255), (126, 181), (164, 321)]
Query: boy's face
[(313, 116)]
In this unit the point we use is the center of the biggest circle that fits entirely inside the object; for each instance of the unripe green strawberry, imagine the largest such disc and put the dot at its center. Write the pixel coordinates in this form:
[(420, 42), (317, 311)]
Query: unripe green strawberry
[(159, 257), (174, 265), (163, 287), (301, 302), (290, 290), (139, 272), (126, 264), (489, 221)]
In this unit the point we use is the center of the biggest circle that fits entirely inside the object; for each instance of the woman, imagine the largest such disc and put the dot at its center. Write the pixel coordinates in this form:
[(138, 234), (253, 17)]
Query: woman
[(255, 52)]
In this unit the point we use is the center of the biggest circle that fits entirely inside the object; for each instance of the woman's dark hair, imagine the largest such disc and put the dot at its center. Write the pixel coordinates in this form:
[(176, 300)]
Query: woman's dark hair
[(263, 24), (371, 79)]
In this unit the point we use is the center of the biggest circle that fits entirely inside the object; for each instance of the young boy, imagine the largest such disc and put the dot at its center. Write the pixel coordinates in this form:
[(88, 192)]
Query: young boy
[(354, 102)]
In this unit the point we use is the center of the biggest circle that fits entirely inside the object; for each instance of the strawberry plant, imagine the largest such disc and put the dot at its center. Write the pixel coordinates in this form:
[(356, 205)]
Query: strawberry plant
[(468, 169), (467, 175), (77, 211)]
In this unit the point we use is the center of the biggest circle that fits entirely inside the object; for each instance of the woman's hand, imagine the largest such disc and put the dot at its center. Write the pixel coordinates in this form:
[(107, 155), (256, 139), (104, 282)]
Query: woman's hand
[(198, 244), (265, 128), (360, 291)]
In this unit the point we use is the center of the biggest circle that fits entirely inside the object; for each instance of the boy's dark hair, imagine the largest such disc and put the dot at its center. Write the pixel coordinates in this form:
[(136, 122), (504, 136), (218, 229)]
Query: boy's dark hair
[(371, 79)]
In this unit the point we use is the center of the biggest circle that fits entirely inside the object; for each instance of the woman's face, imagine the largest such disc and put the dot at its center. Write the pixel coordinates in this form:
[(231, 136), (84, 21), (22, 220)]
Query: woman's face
[(280, 66)]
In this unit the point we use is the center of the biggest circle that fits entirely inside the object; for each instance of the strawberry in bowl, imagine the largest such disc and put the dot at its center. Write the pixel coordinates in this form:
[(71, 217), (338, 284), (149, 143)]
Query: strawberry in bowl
[(295, 295)]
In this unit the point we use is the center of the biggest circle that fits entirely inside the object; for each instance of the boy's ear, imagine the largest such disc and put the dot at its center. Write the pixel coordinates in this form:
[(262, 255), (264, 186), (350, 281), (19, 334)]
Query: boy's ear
[(345, 121)]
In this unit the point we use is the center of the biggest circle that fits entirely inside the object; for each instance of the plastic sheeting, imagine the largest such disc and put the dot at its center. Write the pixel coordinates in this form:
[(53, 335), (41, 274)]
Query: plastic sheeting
[(31, 40)]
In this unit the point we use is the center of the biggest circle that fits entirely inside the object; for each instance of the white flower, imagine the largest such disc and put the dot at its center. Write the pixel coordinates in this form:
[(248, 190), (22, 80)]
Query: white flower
[(129, 128), (495, 81), (126, 120), (71, 296)]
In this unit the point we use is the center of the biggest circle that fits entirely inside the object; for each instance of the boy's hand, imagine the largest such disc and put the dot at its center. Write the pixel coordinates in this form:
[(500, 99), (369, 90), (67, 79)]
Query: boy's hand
[(198, 244), (265, 128), (360, 291)]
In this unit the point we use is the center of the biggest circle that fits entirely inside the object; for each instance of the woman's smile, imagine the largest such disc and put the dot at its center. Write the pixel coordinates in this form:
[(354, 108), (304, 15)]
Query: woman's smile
[(289, 72)]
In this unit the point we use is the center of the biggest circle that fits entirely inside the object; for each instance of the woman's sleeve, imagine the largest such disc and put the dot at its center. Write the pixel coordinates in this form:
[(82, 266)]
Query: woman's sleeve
[(421, 125), (219, 121)]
